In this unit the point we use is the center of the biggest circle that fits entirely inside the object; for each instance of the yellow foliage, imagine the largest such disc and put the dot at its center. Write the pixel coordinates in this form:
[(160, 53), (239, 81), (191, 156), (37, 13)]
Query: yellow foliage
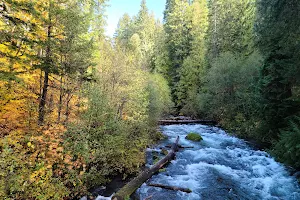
[(32, 158)]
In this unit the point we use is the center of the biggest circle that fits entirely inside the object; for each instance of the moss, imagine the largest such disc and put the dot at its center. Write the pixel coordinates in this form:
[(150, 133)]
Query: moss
[(164, 152), (194, 137), (127, 198), (155, 157), (163, 170), (155, 160)]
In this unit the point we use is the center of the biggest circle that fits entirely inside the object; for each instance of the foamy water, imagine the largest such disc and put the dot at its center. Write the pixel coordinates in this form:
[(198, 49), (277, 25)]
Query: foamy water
[(219, 167)]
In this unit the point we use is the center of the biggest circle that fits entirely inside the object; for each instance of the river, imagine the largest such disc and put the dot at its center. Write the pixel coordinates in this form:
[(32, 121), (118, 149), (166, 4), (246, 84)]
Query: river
[(219, 167)]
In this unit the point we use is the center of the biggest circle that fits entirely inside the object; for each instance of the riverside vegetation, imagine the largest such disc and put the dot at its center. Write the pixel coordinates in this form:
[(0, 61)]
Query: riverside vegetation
[(77, 107)]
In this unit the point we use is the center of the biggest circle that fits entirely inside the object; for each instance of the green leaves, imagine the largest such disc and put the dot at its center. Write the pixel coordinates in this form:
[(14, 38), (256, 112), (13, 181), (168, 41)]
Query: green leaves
[(109, 145), (229, 92)]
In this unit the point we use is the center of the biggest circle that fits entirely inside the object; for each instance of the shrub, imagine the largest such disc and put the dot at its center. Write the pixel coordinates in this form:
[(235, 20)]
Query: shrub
[(108, 144)]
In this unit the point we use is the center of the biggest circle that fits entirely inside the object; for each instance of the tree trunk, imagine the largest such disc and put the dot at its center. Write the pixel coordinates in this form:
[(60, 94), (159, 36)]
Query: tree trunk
[(60, 99), (120, 109), (67, 113), (43, 99), (133, 185), (46, 79)]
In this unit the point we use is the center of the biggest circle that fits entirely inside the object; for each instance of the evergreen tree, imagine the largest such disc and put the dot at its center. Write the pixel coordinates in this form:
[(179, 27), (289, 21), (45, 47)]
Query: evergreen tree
[(178, 39), (161, 61), (138, 35), (49, 65), (193, 68), (278, 30), (231, 25), (124, 30), (143, 14)]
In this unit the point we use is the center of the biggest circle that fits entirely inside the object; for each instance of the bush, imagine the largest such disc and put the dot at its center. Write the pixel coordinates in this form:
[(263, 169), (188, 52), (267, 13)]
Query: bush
[(230, 94), (160, 102), (194, 137), (27, 166), (108, 144)]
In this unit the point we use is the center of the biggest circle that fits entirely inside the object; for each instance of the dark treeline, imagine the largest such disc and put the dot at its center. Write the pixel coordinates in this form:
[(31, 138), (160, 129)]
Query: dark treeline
[(78, 108), (237, 62)]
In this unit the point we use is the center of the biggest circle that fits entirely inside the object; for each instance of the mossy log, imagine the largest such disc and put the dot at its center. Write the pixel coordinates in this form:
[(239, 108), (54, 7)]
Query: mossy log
[(187, 190), (133, 185)]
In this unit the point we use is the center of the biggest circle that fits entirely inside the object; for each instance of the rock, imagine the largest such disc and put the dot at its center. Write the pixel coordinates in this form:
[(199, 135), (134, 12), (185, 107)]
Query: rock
[(84, 198), (297, 175), (194, 137)]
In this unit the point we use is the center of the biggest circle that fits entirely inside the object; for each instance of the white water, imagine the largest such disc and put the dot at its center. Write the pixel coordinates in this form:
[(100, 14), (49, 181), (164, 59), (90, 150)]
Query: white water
[(219, 167)]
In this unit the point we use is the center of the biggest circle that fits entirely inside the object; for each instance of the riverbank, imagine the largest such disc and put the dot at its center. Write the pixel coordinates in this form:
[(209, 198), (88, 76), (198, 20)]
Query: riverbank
[(118, 180)]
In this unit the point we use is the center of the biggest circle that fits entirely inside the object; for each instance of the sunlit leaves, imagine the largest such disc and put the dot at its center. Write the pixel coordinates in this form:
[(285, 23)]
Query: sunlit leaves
[(38, 36)]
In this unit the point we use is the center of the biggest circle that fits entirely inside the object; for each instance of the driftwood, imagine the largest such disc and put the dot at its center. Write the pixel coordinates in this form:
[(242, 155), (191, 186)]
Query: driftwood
[(185, 147), (148, 198), (133, 185), (187, 190), (180, 147), (168, 122)]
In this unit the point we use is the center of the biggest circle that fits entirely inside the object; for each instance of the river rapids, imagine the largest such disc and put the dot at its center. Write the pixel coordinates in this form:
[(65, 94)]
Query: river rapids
[(219, 167)]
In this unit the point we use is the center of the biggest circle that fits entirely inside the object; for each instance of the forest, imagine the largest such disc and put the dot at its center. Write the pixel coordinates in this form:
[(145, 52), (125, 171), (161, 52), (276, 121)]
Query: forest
[(78, 107)]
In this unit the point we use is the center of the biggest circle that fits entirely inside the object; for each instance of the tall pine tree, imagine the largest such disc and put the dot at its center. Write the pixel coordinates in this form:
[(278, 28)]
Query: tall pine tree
[(178, 39), (230, 27)]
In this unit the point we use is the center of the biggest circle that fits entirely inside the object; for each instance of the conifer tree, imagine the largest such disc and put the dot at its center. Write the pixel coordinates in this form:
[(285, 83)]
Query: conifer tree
[(193, 68), (178, 39), (278, 30), (231, 26), (138, 35)]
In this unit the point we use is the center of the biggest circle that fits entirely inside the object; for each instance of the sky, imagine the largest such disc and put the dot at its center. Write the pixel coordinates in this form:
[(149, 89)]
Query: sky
[(117, 8)]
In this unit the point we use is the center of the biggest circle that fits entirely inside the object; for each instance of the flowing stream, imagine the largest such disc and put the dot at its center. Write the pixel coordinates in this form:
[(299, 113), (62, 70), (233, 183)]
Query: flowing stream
[(219, 167)]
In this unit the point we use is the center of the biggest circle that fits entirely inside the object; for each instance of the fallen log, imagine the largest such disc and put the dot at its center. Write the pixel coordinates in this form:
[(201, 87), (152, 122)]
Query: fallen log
[(133, 185), (187, 190), (185, 147), (180, 147), (169, 122)]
